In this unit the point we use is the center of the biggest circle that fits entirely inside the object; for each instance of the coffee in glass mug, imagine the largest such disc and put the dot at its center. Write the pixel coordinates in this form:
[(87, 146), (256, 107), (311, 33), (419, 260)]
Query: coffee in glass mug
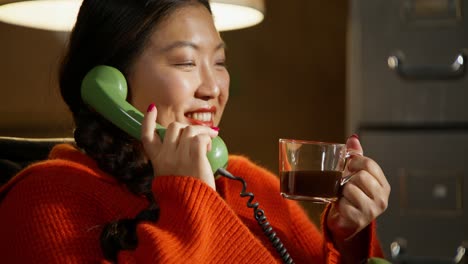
[(311, 170)]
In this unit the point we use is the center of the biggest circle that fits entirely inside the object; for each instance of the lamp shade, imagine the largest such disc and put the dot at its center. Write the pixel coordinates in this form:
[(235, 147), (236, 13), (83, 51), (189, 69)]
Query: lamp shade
[(60, 15), (237, 14)]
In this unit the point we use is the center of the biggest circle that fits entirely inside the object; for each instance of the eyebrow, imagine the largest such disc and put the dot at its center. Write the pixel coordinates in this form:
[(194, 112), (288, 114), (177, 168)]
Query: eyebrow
[(182, 44)]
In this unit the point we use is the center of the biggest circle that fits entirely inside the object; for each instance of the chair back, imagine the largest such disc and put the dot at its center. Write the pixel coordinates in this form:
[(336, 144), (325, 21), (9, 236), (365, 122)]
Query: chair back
[(17, 153)]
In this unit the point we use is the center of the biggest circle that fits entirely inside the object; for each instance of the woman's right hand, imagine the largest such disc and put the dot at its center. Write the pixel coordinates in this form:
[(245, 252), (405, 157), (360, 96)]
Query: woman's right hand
[(183, 151)]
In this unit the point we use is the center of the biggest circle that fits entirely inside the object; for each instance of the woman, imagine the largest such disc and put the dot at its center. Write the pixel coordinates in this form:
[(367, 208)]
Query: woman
[(115, 198)]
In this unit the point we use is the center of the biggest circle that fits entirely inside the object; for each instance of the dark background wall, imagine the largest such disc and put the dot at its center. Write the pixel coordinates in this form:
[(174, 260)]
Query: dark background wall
[(288, 78), (288, 81)]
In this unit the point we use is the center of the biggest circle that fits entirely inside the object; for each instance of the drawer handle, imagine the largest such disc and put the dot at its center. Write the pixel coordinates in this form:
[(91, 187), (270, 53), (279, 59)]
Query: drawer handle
[(428, 72)]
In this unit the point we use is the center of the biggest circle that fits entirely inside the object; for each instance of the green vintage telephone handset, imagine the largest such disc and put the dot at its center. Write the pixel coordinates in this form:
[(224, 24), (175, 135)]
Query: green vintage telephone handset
[(104, 88)]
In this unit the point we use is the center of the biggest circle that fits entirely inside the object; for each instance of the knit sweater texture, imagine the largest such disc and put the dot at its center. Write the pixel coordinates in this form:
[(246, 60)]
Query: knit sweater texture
[(54, 212)]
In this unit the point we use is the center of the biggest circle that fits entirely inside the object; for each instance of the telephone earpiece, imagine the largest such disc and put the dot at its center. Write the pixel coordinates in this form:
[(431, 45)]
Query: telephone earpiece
[(104, 88)]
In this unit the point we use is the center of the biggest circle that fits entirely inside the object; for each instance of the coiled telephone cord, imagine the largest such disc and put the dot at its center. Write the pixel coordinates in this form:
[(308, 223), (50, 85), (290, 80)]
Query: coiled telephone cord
[(259, 215)]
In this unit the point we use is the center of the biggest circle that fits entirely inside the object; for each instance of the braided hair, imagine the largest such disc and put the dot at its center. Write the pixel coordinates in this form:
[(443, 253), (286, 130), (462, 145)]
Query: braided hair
[(114, 33)]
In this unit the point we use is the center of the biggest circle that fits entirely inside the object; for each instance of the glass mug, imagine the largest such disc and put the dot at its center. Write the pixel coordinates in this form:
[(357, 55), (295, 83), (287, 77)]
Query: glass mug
[(312, 171)]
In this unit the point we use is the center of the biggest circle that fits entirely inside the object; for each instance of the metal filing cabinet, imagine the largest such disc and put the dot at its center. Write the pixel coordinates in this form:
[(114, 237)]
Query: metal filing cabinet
[(408, 100)]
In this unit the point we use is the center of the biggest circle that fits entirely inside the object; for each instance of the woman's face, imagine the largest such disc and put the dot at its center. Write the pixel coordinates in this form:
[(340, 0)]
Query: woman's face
[(182, 70)]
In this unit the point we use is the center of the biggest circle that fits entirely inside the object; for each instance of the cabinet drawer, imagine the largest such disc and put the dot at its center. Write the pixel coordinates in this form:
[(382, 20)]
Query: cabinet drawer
[(426, 38), (428, 172)]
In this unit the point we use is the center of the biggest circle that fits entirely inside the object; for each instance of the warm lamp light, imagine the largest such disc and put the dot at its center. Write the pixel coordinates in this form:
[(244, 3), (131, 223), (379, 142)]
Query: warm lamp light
[(237, 14), (42, 14), (60, 15)]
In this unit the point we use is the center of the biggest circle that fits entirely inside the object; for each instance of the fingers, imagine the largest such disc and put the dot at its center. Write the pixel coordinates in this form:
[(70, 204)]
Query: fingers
[(360, 163), (199, 146), (356, 195), (366, 183), (175, 132), (187, 140), (364, 193), (352, 143), (338, 219), (149, 138), (196, 140), (363, 201), (369, 180), (184, 152), (364, 196), (172, 137), (192, 131)]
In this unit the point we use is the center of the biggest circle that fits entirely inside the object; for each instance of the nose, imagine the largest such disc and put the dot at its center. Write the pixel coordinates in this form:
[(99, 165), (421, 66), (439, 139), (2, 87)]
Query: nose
[(209, 87)]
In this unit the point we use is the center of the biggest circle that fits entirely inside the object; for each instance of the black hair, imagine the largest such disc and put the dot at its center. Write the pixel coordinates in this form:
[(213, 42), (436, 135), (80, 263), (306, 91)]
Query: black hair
[(114, 33)]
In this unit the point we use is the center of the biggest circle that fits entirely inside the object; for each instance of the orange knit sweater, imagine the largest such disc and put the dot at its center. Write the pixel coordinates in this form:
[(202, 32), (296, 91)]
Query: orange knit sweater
[(54, 211)]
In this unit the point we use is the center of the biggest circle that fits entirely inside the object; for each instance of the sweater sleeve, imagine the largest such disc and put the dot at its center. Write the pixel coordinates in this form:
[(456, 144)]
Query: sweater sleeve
[(195, 226), (47, 223)]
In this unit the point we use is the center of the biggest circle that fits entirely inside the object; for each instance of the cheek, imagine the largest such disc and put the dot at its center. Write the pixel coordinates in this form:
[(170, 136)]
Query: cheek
[(164, 90), (175, 92), (224, 83), (140, 89), (143, 96)]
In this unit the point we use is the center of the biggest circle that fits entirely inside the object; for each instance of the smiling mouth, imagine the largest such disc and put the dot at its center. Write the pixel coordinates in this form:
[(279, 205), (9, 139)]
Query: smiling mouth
[(200, 118)]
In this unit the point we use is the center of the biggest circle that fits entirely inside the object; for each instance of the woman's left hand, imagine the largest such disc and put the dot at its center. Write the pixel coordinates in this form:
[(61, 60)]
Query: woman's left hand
[(364, 196)]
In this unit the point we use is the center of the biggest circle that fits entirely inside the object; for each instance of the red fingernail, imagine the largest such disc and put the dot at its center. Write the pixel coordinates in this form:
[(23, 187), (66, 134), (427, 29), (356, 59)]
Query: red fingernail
[(354, 136), (215, 128), (150, 107)]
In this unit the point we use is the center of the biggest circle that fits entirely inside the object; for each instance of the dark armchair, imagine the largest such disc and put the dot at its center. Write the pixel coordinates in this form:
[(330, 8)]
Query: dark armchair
[(17, 153)]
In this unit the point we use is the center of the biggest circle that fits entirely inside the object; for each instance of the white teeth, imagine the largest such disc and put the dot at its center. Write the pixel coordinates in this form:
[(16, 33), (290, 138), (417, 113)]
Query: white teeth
[(204, 117)]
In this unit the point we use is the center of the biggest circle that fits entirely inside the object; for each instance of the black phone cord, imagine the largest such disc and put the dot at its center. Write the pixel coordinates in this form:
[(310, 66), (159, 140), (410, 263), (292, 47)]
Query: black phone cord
[(259, 215)]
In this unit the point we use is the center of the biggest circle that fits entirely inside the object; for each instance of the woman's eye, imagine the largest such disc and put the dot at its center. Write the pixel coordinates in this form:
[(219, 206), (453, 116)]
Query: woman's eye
[(185, 64), (221, 63)]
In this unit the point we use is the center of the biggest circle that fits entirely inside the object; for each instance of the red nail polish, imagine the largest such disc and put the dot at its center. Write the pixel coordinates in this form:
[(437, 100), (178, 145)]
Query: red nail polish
[(215, 128), (150, 107), (354, 136)]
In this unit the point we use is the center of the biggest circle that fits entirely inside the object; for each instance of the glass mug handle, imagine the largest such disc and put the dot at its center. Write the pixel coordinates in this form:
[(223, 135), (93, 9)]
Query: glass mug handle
[(349, 154)]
